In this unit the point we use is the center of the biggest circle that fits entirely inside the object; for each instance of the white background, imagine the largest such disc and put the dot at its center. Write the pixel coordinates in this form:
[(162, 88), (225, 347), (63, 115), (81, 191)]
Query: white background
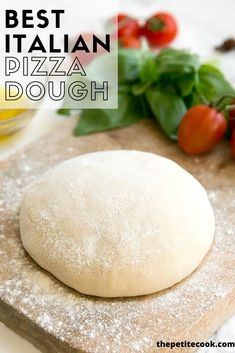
[(203, 25)]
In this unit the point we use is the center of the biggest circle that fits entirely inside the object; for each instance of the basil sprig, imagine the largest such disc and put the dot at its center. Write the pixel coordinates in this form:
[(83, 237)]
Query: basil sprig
[(159, 86)]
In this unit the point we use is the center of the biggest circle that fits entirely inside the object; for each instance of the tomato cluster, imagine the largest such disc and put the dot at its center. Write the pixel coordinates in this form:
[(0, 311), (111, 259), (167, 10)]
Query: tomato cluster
[(203, 126), (160, 30)]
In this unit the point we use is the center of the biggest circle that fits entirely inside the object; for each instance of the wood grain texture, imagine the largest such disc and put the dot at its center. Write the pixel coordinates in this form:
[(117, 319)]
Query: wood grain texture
[(57, 319)]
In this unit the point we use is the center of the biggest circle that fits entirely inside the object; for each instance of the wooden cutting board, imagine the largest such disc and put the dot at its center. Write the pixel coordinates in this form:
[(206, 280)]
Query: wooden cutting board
[(57, 319)]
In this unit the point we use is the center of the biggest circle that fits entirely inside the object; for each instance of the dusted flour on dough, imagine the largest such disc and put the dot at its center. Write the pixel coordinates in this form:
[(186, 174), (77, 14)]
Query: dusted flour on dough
[(117, 223)]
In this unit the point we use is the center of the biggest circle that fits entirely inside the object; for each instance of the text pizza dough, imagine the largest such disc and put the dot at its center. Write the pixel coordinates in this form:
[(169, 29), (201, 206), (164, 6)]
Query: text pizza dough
[(117, 223)]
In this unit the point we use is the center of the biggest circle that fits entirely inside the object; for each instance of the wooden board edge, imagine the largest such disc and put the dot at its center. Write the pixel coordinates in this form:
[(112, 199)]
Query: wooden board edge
[(26, 329)]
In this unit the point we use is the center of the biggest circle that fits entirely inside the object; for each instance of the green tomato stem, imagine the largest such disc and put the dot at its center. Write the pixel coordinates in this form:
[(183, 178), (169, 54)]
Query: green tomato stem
[(155, 24), (217, 105)]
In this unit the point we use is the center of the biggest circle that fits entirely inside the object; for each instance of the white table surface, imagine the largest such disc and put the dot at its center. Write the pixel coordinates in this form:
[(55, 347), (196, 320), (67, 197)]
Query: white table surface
[(203, 24)]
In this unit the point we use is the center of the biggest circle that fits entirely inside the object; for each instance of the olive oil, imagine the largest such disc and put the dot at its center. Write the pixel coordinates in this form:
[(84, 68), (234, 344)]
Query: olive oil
[(11, 119)]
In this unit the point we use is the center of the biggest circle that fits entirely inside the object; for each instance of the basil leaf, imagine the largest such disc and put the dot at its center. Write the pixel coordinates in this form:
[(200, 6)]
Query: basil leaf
[(175, 61), (194, 98), (212, 83), (179, 69), (168, 109), (131, 109), (64, 111), (148, 70), (137, 64), (139, 88), (148, 73), (128, 65), (186, 83)]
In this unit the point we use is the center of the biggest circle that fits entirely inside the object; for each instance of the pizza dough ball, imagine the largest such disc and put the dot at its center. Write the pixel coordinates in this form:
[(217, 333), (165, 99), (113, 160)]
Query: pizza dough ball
[(117, 223)]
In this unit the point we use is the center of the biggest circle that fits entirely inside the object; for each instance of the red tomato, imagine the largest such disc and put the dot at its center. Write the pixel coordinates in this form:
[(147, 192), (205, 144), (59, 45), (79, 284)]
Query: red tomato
[(233, 144), (127, 26), (160, 29), (201, 128), (130, 42), (232, 118)]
